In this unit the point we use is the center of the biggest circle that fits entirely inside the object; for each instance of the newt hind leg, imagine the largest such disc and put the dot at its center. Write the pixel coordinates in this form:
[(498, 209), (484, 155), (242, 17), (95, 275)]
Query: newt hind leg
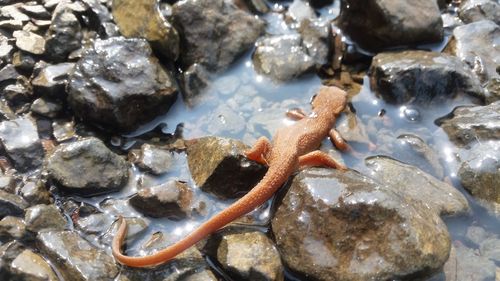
[(259, 151), (319, 158)]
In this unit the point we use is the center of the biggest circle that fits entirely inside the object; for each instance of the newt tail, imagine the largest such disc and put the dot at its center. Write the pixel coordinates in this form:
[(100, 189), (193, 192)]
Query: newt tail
[(292, 148)]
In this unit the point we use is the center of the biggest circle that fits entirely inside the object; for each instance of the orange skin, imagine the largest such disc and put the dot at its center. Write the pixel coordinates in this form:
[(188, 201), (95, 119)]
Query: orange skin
[(292, 148)]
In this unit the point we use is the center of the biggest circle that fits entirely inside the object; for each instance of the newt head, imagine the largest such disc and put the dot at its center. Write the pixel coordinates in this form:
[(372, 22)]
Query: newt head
[(329, 99)]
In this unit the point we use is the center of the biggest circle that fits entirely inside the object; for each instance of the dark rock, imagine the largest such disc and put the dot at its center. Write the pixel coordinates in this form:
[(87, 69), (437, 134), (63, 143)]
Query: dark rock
[(120, 85), (8, 252), (23, 61), (52, 79), (64, 35), (63, 130), (316, 38), (99, 16), (475, 123), (257, 6), (44, 217), (250, 256), (194, 80), (414, 184), (87, 167), (154, 159), (11, 204), (214, 32), (22, 144), (18, 94), (31, 266), (421, 77), (12, 228), (8, 73), (76, 258), (36, 11), (480, 172), (46, 107), (29, 42), (143, 19), (218, 166), (334, 225), (378, 24), (476, 10), (282, 57), (172, 200), (11, 24), (35, 193)]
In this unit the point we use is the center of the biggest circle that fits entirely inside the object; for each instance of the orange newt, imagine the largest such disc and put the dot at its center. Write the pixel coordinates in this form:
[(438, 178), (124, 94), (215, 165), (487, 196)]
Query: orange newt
[(292, 148)]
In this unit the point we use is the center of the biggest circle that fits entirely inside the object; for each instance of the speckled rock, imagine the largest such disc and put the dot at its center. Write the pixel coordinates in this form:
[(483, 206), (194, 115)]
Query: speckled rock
[(44, 217), (172, 200), (22, 144), (87, 167), (31, 266), (11, 204), (476, 10), (214, 32), (421, 77), (334, 225), (12, 228), (119, 84), (250, 256), (218, 166), (414, 184), (76, 258), (466, 125), (377, 24), (64, 35), (154, 159)]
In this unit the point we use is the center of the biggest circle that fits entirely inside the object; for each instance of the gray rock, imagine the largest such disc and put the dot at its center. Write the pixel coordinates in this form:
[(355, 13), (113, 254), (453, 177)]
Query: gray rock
[(154, 159), (12, 228), (218, 166), (13, 12), (466, 125), (479, 172), (334, 225), (316, 38), (143, 19), (29, 42), (87, 167), (46, 107), (250, 256), (421, 77), (11, 24), (44, 217), (20, 139), (35, 193), (282, 57), (120, 85), (11, 204), (32, 267), (7, 183), (6, 50), (300, 10), (465, 264), (23, 61), (194, 80), (214, 32), (476, 234), (18, 94), (414, 184), (36, 11), (257, 6), (378, 24), (476, 10), (95, 223), (135, 227), (172, 200), (52, 79), (100, 15), (76, 258), (415, 151), (64, 35), (491, 249), (8, 73)]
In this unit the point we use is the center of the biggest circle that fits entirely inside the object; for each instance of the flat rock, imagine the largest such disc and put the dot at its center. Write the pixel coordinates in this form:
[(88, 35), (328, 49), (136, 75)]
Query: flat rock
[(469, 124), (214, 32), (334, 225), (20, 139), (421, 77), (119, 84), (29, 42), (76, 258), (44, 217), (31, 266), (154, 159), (87, 167), (218, 166), (414, 184), (476, 10), (378, 24), (11, 204), (52, 79)]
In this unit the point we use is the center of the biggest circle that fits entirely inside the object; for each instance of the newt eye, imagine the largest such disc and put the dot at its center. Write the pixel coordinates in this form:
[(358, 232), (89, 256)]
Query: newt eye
[(312, 98)]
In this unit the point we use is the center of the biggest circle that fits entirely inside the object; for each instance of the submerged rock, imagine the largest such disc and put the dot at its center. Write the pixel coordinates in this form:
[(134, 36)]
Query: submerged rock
[(44, 217), (476, 10), (378, 24), (120, 85), (334, 225), (31, 266), (214, 32), (218, 166), (421, 77), (87, 167), (154, 159)]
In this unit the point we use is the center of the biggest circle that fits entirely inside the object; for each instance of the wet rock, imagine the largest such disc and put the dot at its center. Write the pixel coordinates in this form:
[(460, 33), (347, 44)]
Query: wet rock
[(7, 183), (144, 19), (44, 217), (93, 223), (476, 10), (378, 24), (465, 264), (154, 159), (63, 130), (218, 166), (476, 123), (76, 258), (250, 256), (12, 228), (480, 172), (194, 80), (29, 42), (316, 38), (214, 32), (282, 57), (171, 200), (8, 73), (31, 266), (18, 94), (421, 77), (414, 184), (87, 167), (23, 61), (35, 193), (257, 6), (11, 204), (119, 84), (20, 139), (334, 225), (52, 79), (46, 107), (477, 45), (135, 228), (491, 249), (300, 10), (64, 35), (100, 17), (6, 50)]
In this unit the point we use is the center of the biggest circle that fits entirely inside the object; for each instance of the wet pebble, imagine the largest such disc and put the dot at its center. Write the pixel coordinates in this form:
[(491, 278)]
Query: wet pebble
[(44, 217), (154, 159)]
